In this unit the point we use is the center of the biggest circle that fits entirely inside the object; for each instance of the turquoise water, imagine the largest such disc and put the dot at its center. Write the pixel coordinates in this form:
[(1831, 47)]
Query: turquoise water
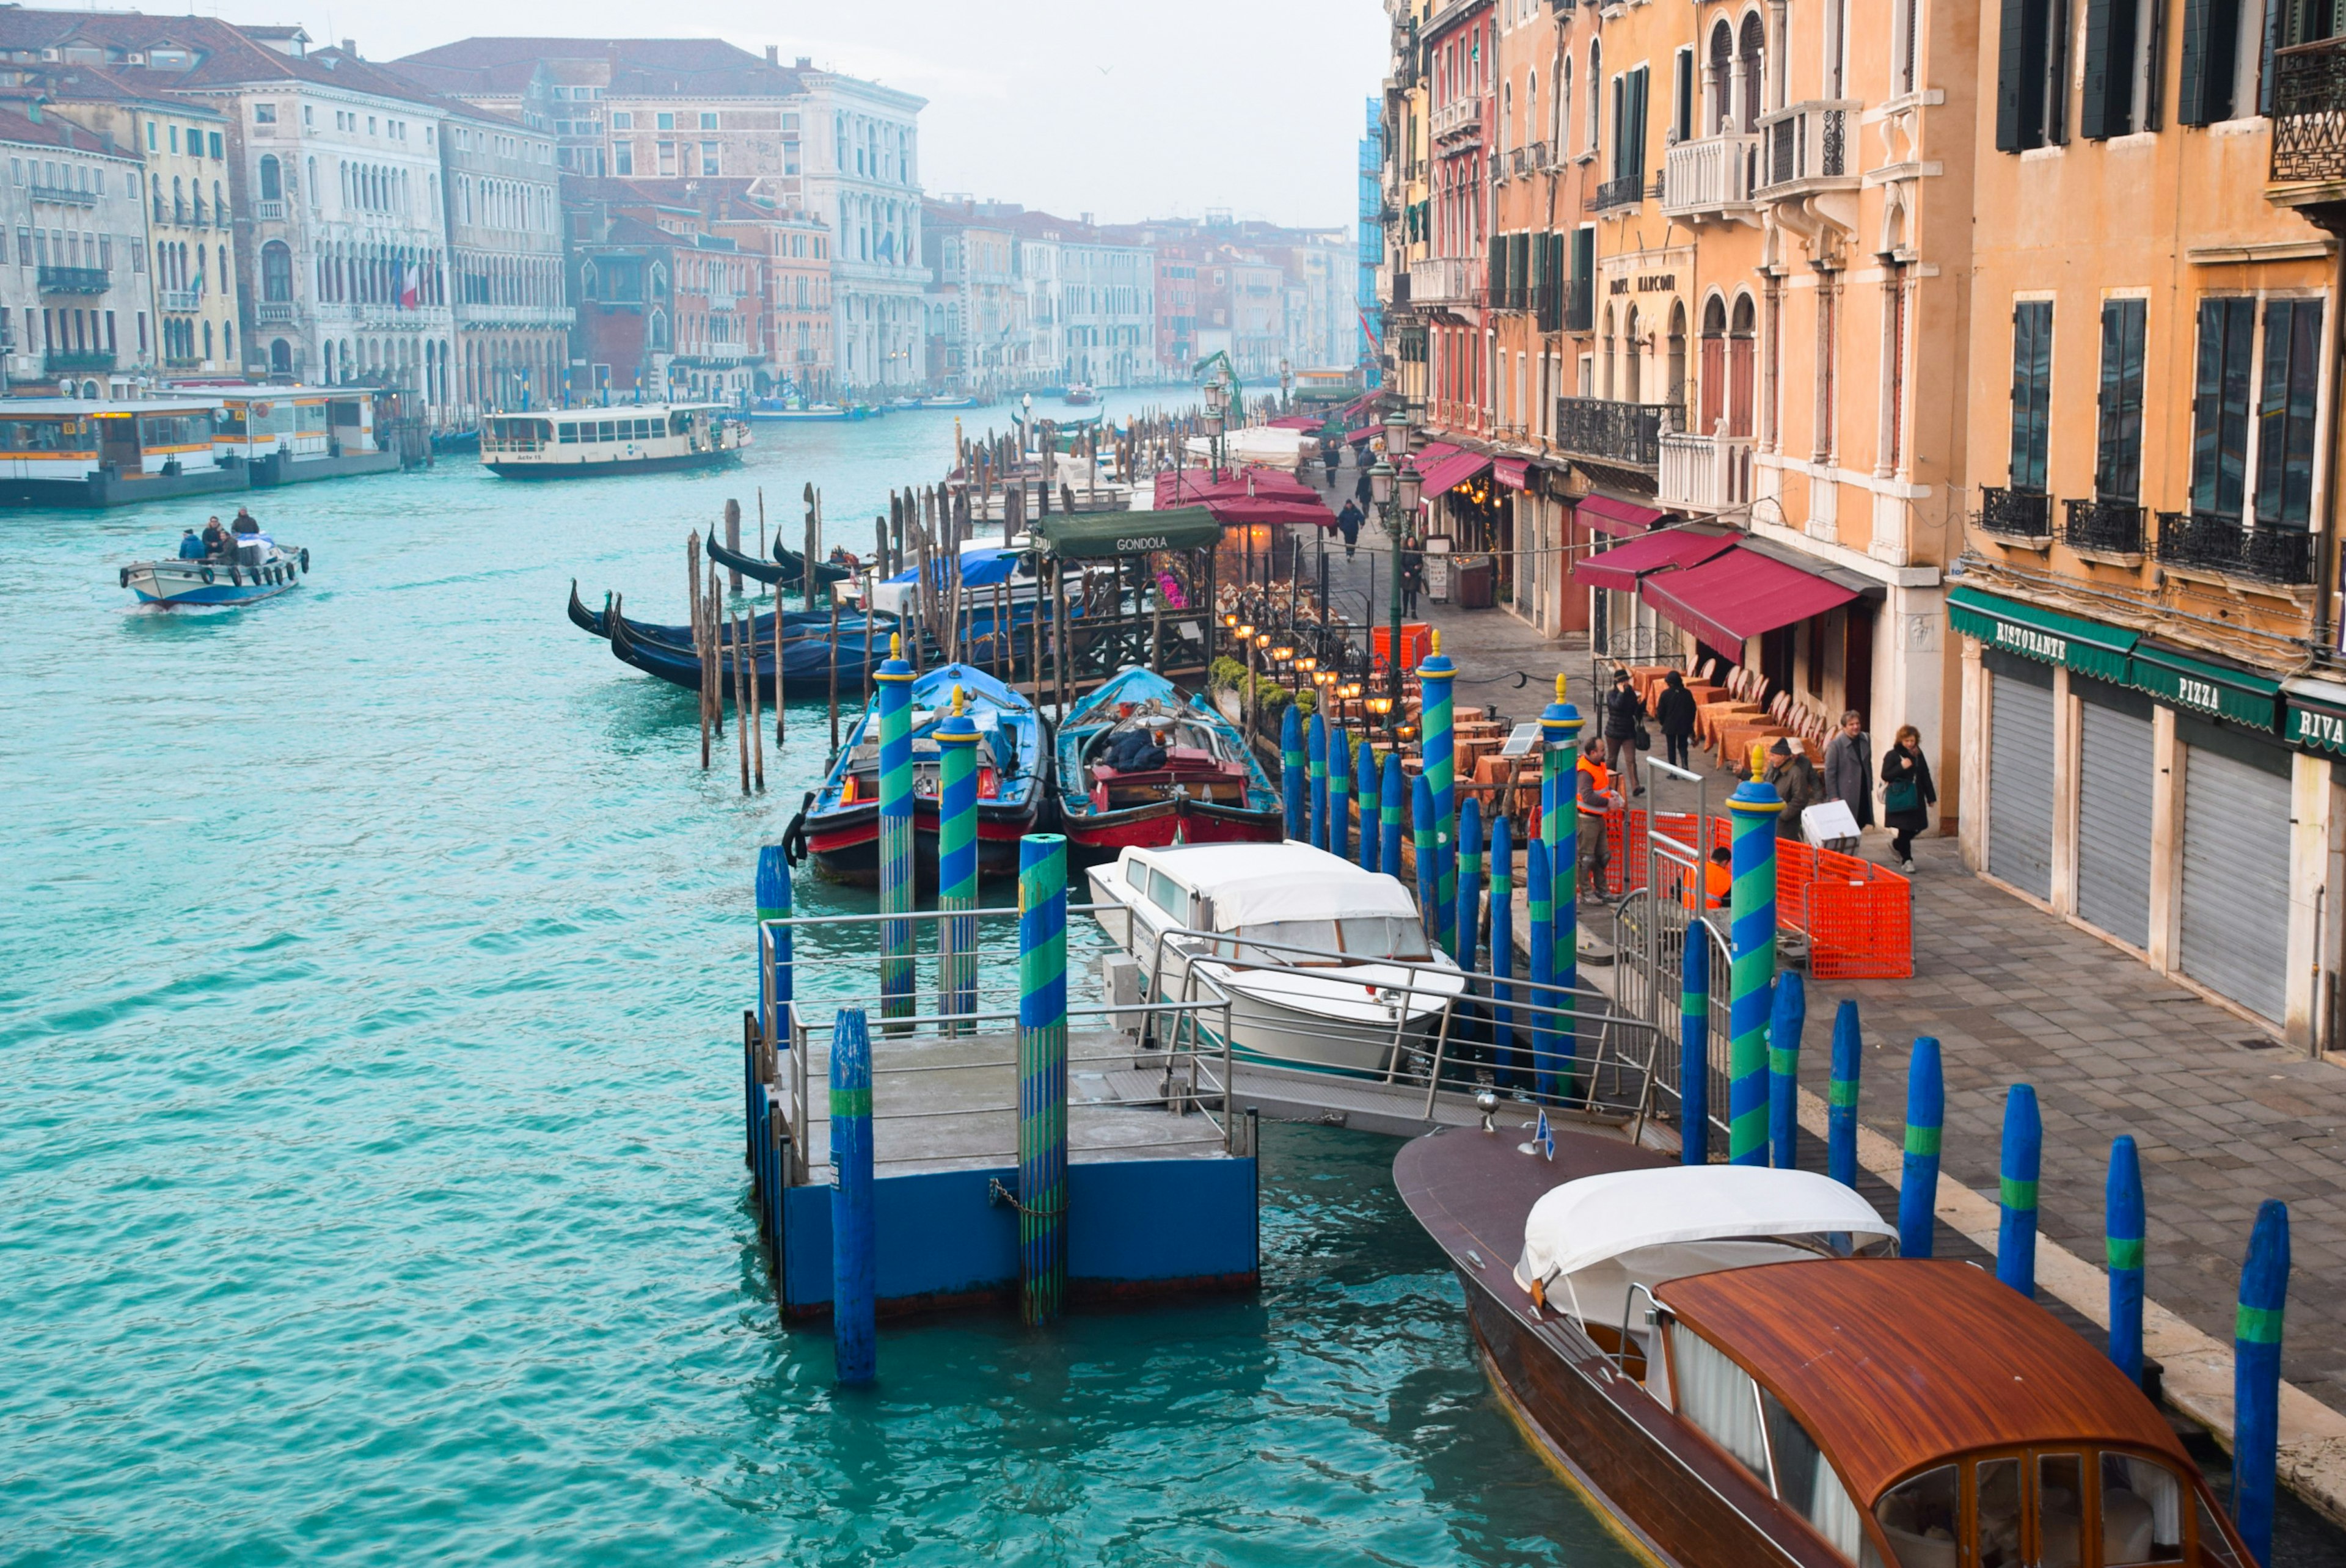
[(370, 1175)]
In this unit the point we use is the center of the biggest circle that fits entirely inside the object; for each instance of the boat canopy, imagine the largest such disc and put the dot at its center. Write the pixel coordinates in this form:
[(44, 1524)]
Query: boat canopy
[(1586, 1222), (1091, 536), (1255, 884), (984, 566)]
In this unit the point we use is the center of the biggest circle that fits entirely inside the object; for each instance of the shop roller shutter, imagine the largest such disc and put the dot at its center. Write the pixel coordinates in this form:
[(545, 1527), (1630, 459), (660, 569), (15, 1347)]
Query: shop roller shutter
[(2115, 772), (2020, 780), (2235, 924)]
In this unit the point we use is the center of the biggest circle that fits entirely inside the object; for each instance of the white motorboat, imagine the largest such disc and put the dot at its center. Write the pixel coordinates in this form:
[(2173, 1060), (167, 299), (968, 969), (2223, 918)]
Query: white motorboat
[(1326, 965), (258, 568)]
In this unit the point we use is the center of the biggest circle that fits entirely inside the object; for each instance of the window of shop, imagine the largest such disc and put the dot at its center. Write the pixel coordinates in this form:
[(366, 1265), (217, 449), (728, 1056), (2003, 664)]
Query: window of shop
[(2032, 392), (2117, 461)]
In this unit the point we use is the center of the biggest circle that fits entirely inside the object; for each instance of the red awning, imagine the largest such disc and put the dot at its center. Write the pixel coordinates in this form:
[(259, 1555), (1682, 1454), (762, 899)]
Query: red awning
[(1188, 486), (1620, 568), (1449, 474), (1366, 433), (1431, 452), (1740, 593), (1272, 509), (1514, 472), (1608, 515), (1297, 421)]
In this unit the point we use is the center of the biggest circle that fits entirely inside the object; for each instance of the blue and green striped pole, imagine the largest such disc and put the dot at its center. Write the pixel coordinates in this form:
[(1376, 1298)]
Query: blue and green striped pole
[(896, 979), (1786, 1024), (1470, 882), (774, 978), (855, 1259), (2015, 1230), (1918, 1179), (1391, 800), (1340, 794), (1694, 1047), (1437, 749), (1503, 947), (1752, 968), (2256, 1378), (1840, 1106), (2122, 1237), (1319, 756), (1537, 895), (1292, 770), (957, 859), (1560, 829), (1429, 891), (1371, 807), (1042, 1075)]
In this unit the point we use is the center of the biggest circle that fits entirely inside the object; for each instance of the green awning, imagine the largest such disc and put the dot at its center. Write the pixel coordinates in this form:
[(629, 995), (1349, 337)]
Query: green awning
[(2086, 647), (1087, 536), (2173, 675), (2317, 723)]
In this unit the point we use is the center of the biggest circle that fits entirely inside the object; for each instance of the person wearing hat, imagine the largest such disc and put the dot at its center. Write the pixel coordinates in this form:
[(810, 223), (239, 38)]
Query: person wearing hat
[(1624, 713), (1797, 784)]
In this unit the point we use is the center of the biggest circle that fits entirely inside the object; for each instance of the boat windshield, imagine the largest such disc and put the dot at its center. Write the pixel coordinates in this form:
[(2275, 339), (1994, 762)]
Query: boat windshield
[(1357, 938)]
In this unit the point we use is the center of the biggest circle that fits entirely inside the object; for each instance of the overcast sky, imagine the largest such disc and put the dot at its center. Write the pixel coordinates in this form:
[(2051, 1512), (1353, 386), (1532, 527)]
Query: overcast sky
[(1124, 110)]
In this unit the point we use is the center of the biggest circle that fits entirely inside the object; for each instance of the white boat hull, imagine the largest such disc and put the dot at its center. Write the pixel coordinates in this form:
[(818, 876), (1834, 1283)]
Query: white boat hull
[(177, 582)]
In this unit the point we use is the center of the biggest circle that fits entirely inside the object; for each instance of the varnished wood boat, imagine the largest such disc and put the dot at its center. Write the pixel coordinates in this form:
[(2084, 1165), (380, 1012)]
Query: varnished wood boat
[(1685, 1348)]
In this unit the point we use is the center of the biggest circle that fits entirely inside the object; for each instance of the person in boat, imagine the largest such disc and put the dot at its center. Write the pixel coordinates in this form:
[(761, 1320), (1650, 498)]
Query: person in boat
[(245, 523), (192, 546), (217, 541)]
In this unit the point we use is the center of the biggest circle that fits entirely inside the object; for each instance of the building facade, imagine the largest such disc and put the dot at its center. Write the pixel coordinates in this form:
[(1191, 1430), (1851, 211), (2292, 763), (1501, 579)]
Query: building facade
[(501, 198), (76, 307), (1108, 295), (863, 178)]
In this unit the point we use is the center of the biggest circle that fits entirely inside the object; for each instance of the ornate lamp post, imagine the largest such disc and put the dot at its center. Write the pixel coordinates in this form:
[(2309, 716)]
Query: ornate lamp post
[(1397, 495), (1218, 405)]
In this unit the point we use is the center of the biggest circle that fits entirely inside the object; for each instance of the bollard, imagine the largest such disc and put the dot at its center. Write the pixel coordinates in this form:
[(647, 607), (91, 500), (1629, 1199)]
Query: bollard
[(1319, 755), (1437, 753), (855, 1265), (957, 862), (1694, 1047), (1786, 1024), (1339, 795), (1918, 1180), (1391, 800), (2015, 1231), (1752, 970), (895, 847), (2123, 1231), (2256, 1378), (1503, 949), (1841, 1107), (1543, 998), (1429, 908), (1470, 883), (774, 977), (1042, 1075), (1372, 818), (1292, 772)]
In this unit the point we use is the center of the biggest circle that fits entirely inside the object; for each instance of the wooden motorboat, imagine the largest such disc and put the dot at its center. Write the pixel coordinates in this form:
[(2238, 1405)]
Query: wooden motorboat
[(1689, 1349), (1137, 763), (257, 568)]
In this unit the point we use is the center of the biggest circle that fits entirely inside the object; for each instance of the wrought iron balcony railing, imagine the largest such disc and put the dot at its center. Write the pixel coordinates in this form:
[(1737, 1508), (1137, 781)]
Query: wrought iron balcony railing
[(2309, 112), (63, 362), (75, 280), (1628, 433), (2015, 514), (1622, 192), (2113, 524), (66, 194), (2207, 543), (1808, 144)]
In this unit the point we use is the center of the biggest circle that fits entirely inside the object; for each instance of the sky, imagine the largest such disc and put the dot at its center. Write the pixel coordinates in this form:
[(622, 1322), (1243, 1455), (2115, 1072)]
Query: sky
[(1124, 110)]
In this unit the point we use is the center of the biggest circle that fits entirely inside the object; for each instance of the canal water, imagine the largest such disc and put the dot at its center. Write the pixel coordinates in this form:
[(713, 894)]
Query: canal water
[(370, 1173)]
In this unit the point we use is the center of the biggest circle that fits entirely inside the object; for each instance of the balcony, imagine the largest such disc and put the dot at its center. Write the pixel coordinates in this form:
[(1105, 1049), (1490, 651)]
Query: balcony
[(2025, 517), (1808, 150), (1712, 177), (65, 193), (182, 302), (75, 280), (1579, 305), (60, 362), (268, 211), (1451, 280), (1625, 191), (1705, 473), (2308, 131), (1626, 433), (2103, 529), (2204, 542), (274, 311), (1461, 120)]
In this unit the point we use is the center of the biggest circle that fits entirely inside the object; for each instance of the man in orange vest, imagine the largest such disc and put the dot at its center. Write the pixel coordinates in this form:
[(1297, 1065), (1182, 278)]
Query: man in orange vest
[(1594, 798), (1718, 878)]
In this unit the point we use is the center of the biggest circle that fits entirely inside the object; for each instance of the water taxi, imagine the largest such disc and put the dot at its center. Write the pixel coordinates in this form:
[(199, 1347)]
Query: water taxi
[(628, 438), (95, 452), (1703, 1357)]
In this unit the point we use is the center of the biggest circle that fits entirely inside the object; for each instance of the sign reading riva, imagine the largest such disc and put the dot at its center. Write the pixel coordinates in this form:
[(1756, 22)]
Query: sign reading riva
[(2316, 728)]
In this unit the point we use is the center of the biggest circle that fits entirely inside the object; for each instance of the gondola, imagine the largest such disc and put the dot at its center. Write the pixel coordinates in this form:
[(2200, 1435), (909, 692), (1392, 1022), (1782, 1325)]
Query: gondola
[(806, 661), (1138, 764), (795, 624), (839, 827), (786, 570)]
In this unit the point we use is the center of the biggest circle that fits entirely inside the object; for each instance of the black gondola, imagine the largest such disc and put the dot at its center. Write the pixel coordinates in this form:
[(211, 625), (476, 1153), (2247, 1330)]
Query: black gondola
[(806, 661)]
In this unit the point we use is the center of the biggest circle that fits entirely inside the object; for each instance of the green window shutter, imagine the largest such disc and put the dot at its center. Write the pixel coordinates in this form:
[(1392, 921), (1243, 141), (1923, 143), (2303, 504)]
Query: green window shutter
[(2209, 30), (2107, 109), (2118, 463), (2019, 75), (2285, 413), (2031, 376), (2207, 402)]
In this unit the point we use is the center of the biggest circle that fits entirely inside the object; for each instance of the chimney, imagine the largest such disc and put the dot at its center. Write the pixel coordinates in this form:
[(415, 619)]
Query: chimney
[(1085, 217), (774, 53), (350, 48)]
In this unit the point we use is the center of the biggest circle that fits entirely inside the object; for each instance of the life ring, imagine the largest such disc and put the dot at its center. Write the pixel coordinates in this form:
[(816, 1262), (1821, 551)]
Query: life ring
[(208, 573), (126, 576), (305, 559)]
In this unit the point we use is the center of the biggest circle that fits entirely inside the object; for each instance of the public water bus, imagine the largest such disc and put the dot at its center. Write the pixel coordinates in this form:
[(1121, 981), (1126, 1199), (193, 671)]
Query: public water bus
[(100, 451), (1708, 1356), (626, 438), (286, 434)]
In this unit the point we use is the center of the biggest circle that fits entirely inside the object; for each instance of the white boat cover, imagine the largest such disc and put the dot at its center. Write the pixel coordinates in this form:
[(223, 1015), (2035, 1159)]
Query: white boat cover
[(1251, 884), (1256, 443), (1585, 1222)]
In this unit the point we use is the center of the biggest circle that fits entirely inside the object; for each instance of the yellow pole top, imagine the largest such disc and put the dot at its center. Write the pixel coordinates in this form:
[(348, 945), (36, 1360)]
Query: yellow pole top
[(956, 706), (1559, 687), (1433, 640), (895, 645)]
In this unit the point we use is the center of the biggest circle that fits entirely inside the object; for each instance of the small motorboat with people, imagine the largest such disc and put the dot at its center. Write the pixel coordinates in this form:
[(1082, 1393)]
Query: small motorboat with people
[(839, 825), (220, 566), (1079, 395), (1137, 763), (1326, 965), (1724, 1363)]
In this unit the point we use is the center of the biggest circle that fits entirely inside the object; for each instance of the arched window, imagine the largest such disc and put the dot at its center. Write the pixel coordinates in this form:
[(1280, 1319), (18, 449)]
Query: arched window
[(273, 179), (656, 330), (1596, 93), (1632, 386), (228, 341), (1713, 371), (1751, 61), (277, 271), (280, 358), (1532, 128), (1561, 107), (1507, 113), (1675, 366), (1742, 362), (1719, 81), (208, 339)]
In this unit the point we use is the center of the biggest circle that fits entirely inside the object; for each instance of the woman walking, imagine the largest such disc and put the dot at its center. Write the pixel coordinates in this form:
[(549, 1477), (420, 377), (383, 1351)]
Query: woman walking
[(1907, 793), (1674, 711)]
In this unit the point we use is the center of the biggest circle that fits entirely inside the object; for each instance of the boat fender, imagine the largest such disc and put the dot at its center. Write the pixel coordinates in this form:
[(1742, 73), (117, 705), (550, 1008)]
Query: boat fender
[(236, 576), (126, 576), (794, 845), (305, 560), (208, 573)]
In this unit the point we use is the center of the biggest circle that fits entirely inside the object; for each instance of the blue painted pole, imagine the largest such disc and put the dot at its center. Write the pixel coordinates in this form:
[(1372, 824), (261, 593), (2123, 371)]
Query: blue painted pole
[(1751, 972), (1918, 1180), (854, 1263), (1319, 756), (1437, 752), (1391, 801), (2015, 1231), (774, 977), (1786, 1024), (1694, 1048), (896, 977), (1470, 883), (1560, 726), (957, 740), (1042, 1075), (1294, 767), (2256, 1378), (2123, 1230), (1503, 948), (1421, 810), (1372, 825), (1840, 1104), (1538, 891), (1340, 794)]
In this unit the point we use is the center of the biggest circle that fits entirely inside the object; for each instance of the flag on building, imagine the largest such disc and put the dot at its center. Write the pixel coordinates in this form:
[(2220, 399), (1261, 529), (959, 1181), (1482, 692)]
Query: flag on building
[(407, 275)]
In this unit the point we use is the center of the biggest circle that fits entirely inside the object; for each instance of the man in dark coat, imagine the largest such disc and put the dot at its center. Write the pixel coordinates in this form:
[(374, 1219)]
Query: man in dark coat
[(1348, 523), (1624, 712)]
